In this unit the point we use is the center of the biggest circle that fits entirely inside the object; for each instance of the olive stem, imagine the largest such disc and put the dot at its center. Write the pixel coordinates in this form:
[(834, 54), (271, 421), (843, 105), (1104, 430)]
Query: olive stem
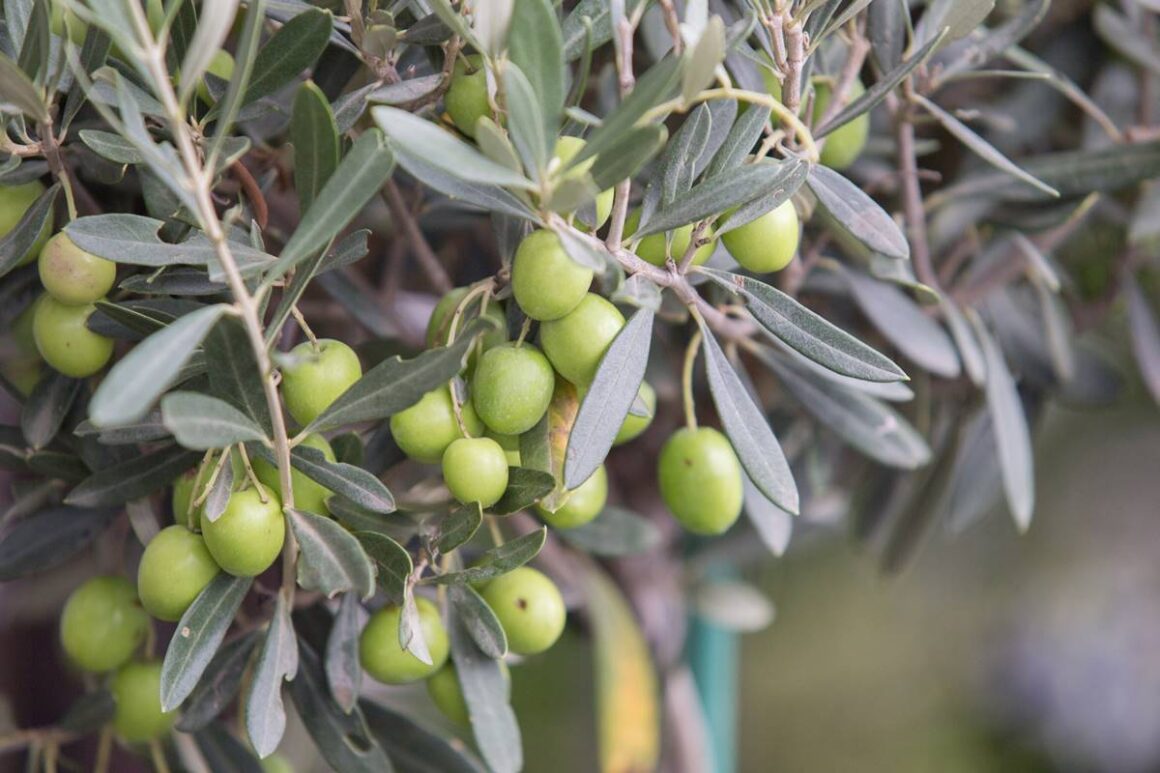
[(524, 330), (687, 379), (301, 320), (157, 756), (257, 484), (104, 750), (199, 498), (493, 528)]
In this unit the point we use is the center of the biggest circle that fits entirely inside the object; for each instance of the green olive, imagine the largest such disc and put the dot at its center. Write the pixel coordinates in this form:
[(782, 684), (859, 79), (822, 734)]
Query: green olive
[(767, 243), (318, 375), (510, 445), (308, 495), (15, 200), (512, 387), (424, 430), (653, 248), (247, 538), (103, 624), (440, 323), (546, 282), (175, 567), (220, 66), (583, 504), (529, 607), (634, 425), (136, 690), (383, 656), (567, 149), (476, 470), (576, 344), (65, 342), (73, 276), (447, 695), (24, 366), (62, 22), (466, 99), (700, 480), (846, 143)]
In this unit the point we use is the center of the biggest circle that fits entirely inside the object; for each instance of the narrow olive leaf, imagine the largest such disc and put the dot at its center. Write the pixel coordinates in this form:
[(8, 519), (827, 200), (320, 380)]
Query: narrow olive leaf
[(1125, 35), (265, 714), (221, 750), (358, 177), (499, 560), (901, 320), (36, 47), (392, 560), (886, 84), (412, 747), (134, 240), (459, 526), (858, 214), (111, 146), (678, 164), (486, 196), (199, 634), (714, 196), (314, 135), (986, 44), (886, 26), (343, 669), (743, 135), (1012, 436), (332, 560), (535, 45), (133, 478), (808, 333), (871, 426), (1057, 328), (656, 85), (395, 384), (589, 25), (18, 242), (1145, 336), (223, 680), (608, 400), (479, 620), (773, 525), (525, 121), (525, 488), (342, 737), (615, 532), (410, 135), (958, 18), (89, 712), (346, 480), (968, 347), (295, 47), (214, 21), (142, 375), (235, 377), (18, 94), (412, 638), (703, 59), (982, 148), (486, 691), (47, 407), (201, 422), (49, 538), (748, 429)]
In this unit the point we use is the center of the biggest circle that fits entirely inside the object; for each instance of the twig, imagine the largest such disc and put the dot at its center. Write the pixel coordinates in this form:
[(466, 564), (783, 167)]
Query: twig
[(253, 193), (403, 218), (912, 198)]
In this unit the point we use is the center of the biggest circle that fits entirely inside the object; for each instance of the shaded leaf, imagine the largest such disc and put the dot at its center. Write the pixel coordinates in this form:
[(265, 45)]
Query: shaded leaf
[(265, 715), (332, 560), (535, 45), (314, 135), (293, 48), (458, 527), (487, 694), (343, 668), (201, 422), (479, 620), (413, 748), (615, 532), (235, 377), (499, 560), (858, 214), (47, 407), (133, 478), (49, 538), (772, 524), (19, 241), (393, 562), (525, 488), (220, 685)]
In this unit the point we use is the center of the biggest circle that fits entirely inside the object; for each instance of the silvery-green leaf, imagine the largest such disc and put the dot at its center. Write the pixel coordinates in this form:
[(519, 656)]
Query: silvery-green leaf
[(278, 661), (858, 214), (332, 561), (199, 634), (202, 422)]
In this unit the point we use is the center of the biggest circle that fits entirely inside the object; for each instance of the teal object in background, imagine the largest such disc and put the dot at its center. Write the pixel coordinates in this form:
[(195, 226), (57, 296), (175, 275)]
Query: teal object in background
[(714, 654)]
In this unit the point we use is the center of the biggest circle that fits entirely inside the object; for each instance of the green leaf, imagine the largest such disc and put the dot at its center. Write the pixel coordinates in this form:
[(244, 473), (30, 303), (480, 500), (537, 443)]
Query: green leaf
[(857, 214), (886, 26), (747, 428), (235, 377), (393, 562), (278, 662), (220, 685), (525, 121), (219, 494), (359, 177), (346, 480), (486, 692), (332, 560), (479, 620), (396, 384), (459, 526), (111, 146), (969, 351), (738, 144), (343, 668), (17, 243), (627, 156), (132, 478), (199, 634), (656, 85), (595, 15), (678, 164), (412, 747), (314, 135), (1012, 437), (716, 195), (47, 407), (958, 17), (607, 402), (214, 21), (535, 45), (525, 488), (89, 712), (142, 375), (221, 750), (615, 532), (806, 332), (228, 105), (49, 538), (295, 47), (703, 59), (201, 422), (133, 240), (773, 524), (499, 560), (18, 94)]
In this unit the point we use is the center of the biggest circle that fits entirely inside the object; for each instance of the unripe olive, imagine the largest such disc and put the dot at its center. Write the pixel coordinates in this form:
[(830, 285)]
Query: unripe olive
[(65, 342), (76, 27), (846, 143), (567, 149), (584, 502), (308, 495), (652, 248), (191, 484), (529, 607), (103, 624), (576, 344), (221, 66), (466, 99), (385, 659), (276, 763), (424, 430), (175, 567), (15, 200), (24, 366), (700, 480), (475, 470), (547, 284), (447, 695), (767, 243), (136, 690), (247, 537), (510, 445), (512, 387), (634, 425), (440, 323), (319, 375), (72, 275)]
